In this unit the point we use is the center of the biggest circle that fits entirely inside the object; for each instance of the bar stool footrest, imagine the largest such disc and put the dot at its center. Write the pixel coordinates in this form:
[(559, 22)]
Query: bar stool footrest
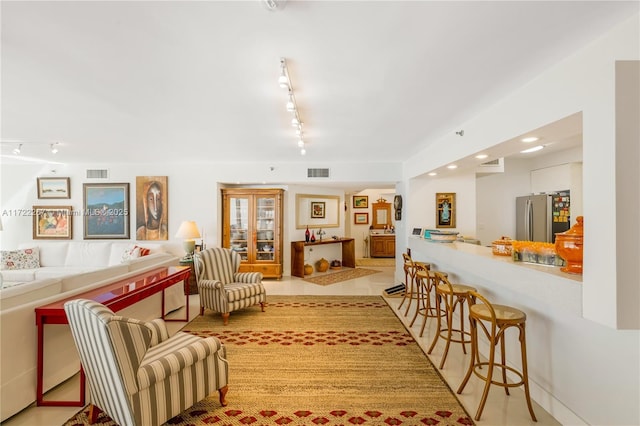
[(498, 368)]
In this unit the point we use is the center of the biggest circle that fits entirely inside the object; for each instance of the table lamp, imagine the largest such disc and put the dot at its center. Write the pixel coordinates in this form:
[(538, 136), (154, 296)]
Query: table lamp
[(188, 231)]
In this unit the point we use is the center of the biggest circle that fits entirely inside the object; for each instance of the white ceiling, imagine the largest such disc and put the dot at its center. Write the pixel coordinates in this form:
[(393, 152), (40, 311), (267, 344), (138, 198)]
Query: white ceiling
[(181, 81)]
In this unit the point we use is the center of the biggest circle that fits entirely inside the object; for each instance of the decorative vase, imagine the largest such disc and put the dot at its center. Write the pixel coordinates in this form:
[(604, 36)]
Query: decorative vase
[(322, 265), (569, 246), (308, 269)]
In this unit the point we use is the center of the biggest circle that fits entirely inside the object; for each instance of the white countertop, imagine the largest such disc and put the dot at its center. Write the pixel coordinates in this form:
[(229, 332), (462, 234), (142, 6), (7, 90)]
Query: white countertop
[(477, 265)]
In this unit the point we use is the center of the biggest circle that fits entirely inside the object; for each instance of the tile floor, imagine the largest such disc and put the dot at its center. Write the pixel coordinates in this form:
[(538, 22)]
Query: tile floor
[(499, 410)]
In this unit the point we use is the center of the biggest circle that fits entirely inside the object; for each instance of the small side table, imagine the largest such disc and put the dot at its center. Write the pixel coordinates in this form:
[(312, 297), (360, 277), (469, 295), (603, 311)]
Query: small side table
[(191, 283)]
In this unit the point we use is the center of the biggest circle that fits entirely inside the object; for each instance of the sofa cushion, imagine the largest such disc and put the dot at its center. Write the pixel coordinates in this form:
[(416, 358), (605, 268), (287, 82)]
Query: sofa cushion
[(51, 253), (21, 275), (28, 292), (28, 258), (156, 260), (73, 282), (88, 254), (62, 271)]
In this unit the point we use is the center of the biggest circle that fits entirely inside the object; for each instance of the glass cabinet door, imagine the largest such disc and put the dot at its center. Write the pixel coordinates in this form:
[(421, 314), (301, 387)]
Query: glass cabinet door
[(265, 228), (239, 225)]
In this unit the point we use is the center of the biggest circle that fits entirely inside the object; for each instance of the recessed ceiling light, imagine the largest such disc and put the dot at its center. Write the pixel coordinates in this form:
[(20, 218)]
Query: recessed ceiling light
[(534, 149), (432, 174), (529, 139), (481, 156), (452, 166)]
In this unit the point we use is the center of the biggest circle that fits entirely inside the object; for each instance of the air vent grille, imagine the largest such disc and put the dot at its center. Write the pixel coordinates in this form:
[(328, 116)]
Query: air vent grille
[(317, 173), (495, 162), (97, 173)]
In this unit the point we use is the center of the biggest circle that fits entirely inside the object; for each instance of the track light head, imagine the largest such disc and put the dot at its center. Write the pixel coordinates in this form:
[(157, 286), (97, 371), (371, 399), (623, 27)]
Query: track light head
[(54, 148), (17, 149)]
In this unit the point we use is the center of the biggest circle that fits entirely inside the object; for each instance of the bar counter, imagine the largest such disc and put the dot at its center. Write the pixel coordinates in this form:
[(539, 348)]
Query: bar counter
[(512, 282)]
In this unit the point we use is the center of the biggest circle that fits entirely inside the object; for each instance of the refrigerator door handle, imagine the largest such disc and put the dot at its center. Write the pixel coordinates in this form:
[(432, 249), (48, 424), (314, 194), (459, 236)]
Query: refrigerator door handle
[(528, 220)]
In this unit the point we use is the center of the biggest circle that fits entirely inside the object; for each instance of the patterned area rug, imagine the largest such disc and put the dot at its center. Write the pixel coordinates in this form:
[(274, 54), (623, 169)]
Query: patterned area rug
[(376, 261), (331, 277), (320, 360)]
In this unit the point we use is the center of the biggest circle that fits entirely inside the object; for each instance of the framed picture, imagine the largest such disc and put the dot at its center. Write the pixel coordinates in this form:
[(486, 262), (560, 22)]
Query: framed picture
[(106, 211), (417, 232), (52, 223), (317, 209), (360, 201), (54, 187), (361, 218), (152, 208), (445, 210)]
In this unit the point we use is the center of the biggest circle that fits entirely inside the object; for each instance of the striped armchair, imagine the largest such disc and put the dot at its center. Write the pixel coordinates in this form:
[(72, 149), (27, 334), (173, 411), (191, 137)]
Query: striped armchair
[(137, 374), (222, 288)]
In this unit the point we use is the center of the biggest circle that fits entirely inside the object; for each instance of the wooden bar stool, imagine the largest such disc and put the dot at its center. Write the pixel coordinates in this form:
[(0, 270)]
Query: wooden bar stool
[(453, 296), (411, 291), (422, 300), (409, 275), (494, 320), (428, 280)]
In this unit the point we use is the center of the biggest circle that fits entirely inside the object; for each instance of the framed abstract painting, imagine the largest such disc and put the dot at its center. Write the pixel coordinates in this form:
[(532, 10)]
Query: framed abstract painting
[(106, 211)]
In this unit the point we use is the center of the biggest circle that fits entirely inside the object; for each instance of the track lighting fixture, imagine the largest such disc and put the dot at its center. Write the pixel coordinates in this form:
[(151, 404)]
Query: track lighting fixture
[(54, 148), (291, 105), (284, 81), (17, 149)]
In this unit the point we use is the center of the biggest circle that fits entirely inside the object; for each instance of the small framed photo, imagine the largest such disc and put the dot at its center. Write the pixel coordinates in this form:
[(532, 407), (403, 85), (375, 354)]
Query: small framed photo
[(52, 223), (445, 210), (106, 211), (361, 218), (54, 187), (317, 210), (360, 201), (417, 232)]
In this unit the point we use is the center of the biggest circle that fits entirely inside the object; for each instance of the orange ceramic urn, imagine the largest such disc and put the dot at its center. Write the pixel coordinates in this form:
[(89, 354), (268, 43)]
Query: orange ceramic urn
[(569, 247)]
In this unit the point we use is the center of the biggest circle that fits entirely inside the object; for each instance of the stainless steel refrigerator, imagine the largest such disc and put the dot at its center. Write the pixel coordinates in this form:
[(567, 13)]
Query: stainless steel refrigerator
[(540, 217)]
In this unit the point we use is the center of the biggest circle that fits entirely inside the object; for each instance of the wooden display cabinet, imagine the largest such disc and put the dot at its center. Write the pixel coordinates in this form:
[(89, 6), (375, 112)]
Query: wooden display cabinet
[(252, 226)]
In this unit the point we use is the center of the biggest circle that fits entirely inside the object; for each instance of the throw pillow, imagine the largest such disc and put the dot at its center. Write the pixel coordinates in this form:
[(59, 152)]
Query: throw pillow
[(131, 253), (20, 259), (144, 251)]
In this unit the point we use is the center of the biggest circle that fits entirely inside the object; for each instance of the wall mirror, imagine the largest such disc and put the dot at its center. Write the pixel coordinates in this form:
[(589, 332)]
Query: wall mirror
[(381, 215), (317, 211)]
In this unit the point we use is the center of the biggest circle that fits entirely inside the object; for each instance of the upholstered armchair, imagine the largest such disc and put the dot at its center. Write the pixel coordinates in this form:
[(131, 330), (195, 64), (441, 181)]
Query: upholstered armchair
[(137, 374), (222, 288)]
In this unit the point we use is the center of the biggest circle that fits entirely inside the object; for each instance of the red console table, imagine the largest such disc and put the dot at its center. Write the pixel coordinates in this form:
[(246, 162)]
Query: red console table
[(116, 296), (297, 253)]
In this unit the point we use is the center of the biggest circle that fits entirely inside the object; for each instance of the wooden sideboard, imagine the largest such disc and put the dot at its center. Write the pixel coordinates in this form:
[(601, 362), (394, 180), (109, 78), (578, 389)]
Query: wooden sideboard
[(382, 245), (297, 253)]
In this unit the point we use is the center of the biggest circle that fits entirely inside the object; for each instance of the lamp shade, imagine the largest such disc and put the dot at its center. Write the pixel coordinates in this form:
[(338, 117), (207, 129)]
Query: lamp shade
[(188, 230)]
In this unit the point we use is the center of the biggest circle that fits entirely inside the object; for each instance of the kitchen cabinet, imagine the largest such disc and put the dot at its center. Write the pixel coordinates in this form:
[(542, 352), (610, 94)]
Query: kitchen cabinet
[(252, 227), (382, 245)]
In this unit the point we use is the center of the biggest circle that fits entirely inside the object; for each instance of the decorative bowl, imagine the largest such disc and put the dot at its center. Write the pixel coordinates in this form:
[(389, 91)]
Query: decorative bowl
[(444, 236)]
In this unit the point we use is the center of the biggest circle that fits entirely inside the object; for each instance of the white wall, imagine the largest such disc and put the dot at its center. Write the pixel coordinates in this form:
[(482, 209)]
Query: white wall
[(422, 205), (496, 192), (584, 82)]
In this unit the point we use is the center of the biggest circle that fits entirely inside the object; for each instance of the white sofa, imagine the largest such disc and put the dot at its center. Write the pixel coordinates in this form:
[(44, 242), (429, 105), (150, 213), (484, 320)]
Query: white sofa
[(66, 269)]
